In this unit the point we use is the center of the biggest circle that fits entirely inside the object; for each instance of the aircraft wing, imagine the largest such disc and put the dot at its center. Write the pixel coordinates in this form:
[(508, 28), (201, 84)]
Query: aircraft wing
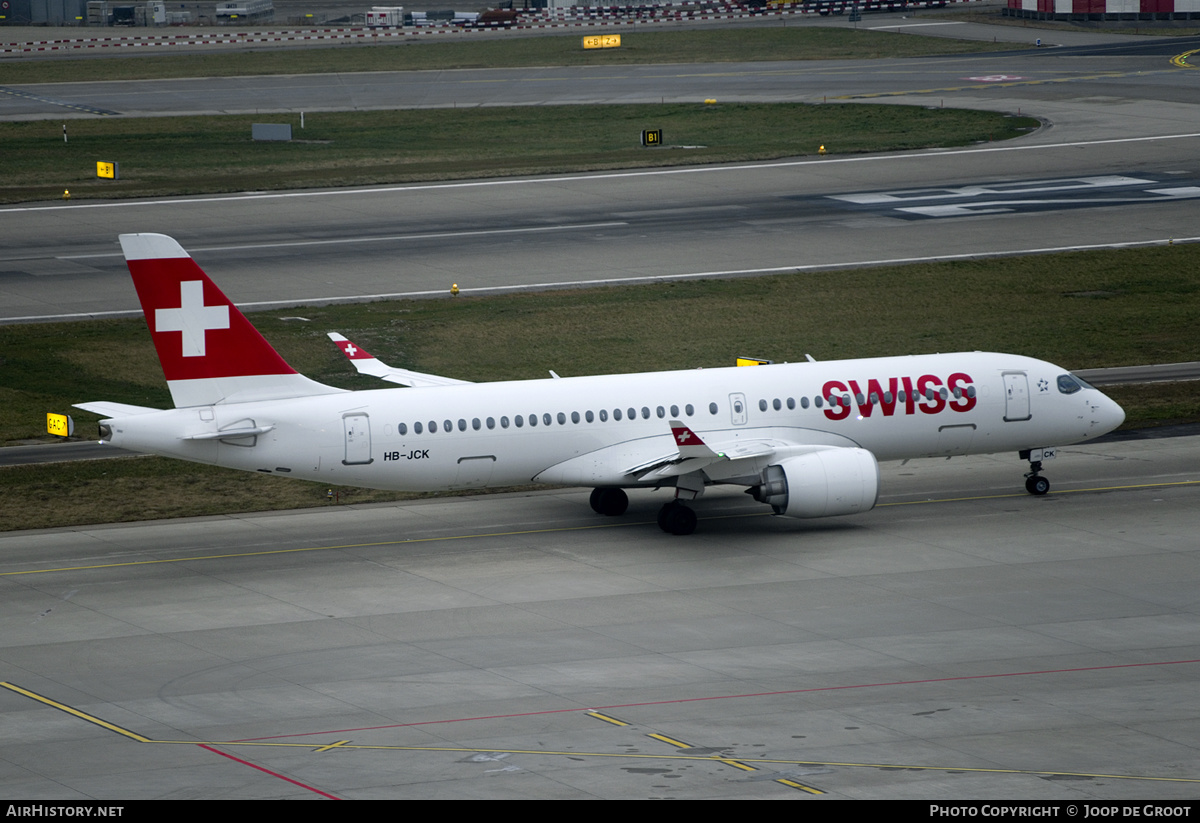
[(694, 454), (365, 363)]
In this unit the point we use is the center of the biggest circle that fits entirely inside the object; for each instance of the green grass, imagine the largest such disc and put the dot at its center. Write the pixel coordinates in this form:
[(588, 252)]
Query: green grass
[(1080, 310), (725, 45), (189, 155)]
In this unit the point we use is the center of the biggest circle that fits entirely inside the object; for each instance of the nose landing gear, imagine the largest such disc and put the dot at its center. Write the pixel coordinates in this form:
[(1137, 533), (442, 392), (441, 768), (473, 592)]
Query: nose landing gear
[(1035, 484)]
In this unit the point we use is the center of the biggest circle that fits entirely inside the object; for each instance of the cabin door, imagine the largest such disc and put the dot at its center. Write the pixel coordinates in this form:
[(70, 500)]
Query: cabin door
[(1016, 396), (358, 438)]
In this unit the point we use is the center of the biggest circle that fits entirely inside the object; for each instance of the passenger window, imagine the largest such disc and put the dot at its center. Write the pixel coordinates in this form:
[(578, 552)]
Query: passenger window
[(689, 410), (616, 414), (519, 420), (775, 404), (475, 424), (402, 428), (674, 411), (491, 423), (533, 419), (804, 402), (432, 426), (604, 415), (661, 412), (504, 422), (712, 408), (546, 418), (762, 405), (588, 416), (791, 402), (462, 424), (562, 419), (417, 427)]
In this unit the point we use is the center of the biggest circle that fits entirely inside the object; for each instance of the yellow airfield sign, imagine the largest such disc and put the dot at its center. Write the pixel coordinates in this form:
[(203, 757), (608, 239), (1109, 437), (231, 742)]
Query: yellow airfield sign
[(602, 41)]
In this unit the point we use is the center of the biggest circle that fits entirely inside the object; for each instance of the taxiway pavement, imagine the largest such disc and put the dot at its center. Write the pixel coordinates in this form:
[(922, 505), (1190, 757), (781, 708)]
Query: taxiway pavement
[(963, 640)]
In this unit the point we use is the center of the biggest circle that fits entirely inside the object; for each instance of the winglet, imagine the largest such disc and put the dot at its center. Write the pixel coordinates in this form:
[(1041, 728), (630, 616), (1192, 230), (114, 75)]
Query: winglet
[(366, 363), (352, 351), (688, 442)]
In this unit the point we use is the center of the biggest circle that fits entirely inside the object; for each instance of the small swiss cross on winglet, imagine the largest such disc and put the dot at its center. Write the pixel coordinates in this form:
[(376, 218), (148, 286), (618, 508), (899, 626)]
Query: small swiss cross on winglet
[(688, 442), (349, 349), (684, 436)]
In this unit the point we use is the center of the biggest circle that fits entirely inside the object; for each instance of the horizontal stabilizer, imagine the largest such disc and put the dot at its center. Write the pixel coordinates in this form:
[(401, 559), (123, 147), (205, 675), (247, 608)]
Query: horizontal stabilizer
[(226, 434), (114, 409)]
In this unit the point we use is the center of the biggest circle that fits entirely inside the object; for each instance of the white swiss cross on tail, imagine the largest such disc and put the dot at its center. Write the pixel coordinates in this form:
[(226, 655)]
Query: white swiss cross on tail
[(193, 318), (208, 350)]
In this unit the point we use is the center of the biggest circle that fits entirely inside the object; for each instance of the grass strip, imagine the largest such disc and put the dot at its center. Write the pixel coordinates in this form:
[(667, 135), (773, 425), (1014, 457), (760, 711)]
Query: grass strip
[(161, 156), (787, 41)]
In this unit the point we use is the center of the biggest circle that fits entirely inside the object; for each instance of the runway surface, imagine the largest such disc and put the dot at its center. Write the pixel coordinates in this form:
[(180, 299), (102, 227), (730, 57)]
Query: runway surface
[(1118, 162), (963, 640)]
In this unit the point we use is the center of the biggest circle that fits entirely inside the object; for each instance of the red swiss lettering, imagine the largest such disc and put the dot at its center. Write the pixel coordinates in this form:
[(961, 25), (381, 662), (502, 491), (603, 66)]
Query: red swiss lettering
[(926, 384), (966, 402), (840, 411)]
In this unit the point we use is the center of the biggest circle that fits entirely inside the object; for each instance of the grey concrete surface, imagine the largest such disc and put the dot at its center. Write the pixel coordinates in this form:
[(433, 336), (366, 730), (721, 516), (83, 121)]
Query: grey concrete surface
[(963, 640)]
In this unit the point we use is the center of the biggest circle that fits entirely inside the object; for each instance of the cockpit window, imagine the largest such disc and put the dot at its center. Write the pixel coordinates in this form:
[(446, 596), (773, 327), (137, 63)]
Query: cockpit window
[(1069, 383)]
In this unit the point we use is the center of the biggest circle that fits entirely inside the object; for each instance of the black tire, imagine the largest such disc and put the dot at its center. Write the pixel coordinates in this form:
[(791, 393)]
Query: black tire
[(1037, 485), (610, 501), (676, 518), (663, 514)]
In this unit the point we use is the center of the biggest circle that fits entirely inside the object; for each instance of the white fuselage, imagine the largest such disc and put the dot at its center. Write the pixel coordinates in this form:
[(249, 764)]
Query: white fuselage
[(467, 436)]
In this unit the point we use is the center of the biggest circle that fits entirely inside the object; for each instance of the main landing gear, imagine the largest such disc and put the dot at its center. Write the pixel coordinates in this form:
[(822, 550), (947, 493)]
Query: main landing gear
[(609, 501), (1035, 484), (676, 518), (673, 518)]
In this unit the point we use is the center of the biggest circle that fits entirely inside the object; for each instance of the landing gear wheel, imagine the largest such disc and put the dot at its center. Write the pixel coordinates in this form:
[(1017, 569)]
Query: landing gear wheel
[(1037, 485), (676, 518), (609, 501)]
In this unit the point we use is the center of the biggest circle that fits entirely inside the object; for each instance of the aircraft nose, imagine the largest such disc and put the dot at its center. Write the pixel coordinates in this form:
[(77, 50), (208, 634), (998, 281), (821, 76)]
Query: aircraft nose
[(1107, 415)]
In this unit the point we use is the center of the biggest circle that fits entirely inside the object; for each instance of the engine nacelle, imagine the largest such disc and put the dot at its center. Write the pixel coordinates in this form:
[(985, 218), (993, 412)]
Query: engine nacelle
[(821, 483)]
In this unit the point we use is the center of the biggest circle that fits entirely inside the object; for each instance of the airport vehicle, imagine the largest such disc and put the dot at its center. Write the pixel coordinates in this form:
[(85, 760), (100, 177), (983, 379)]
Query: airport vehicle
[(803, 438)]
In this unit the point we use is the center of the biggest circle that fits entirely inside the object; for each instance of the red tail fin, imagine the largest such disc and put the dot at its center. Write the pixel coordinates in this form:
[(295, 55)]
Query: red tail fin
[(208, 350)]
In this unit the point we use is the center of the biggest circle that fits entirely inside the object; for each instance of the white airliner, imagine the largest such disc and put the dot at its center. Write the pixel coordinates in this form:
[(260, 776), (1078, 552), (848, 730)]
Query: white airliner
[(803, 438)]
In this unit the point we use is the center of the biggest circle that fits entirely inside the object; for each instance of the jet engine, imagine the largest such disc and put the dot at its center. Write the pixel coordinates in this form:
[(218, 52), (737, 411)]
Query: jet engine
[(821, 483)]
